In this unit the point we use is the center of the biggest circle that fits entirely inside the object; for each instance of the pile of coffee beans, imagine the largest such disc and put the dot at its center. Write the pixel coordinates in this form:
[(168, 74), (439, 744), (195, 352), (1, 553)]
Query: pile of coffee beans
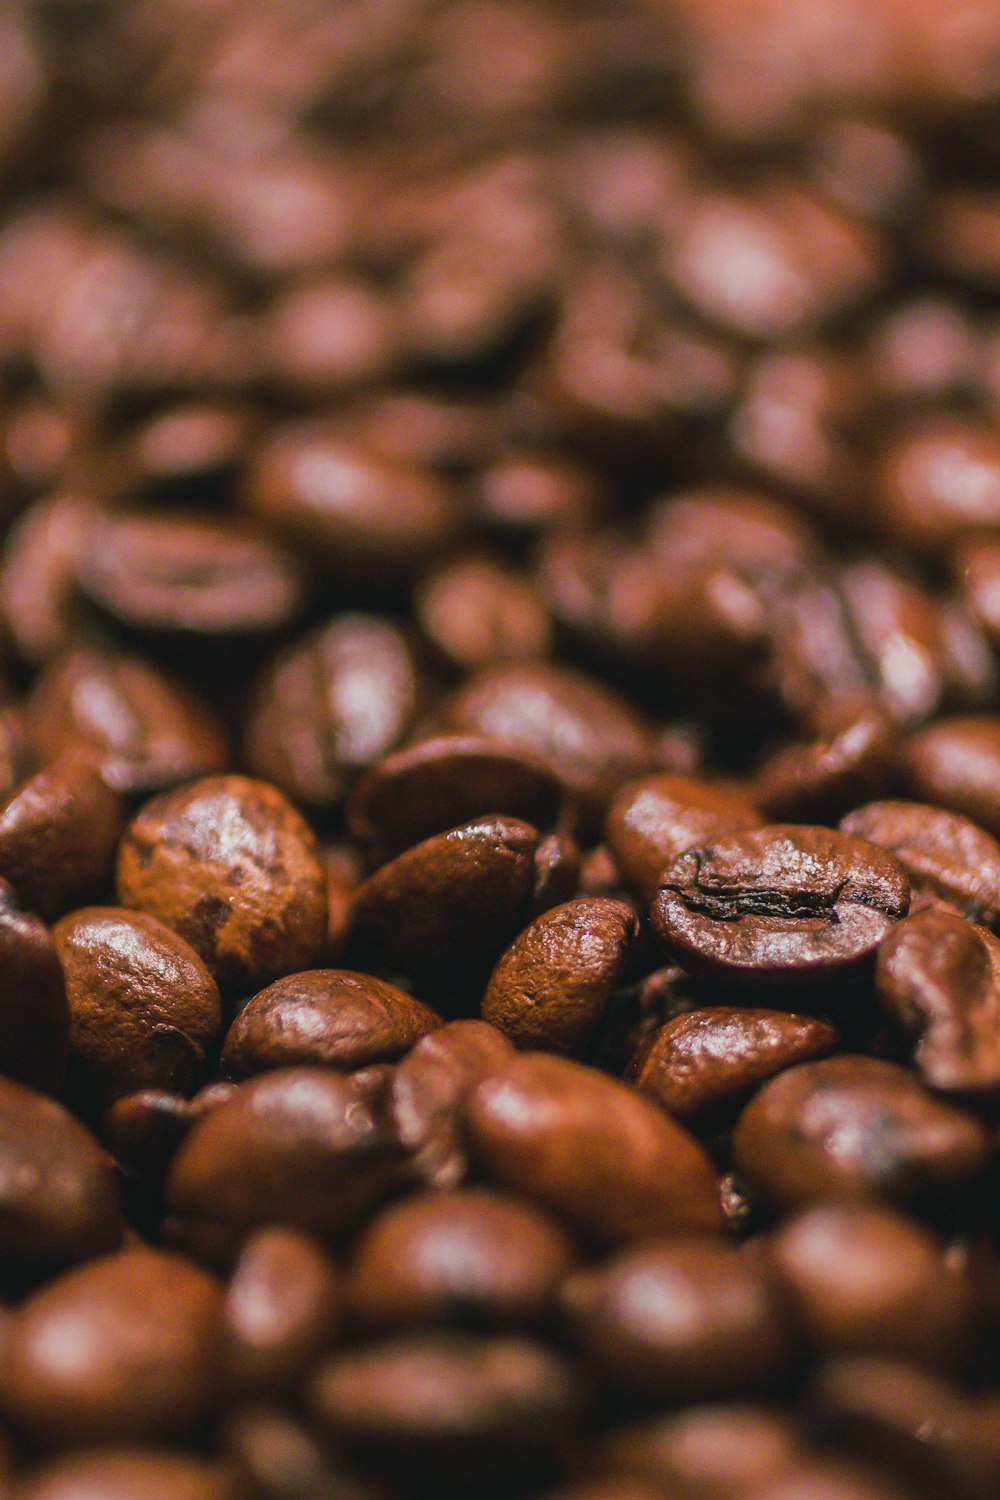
[(500, 750)]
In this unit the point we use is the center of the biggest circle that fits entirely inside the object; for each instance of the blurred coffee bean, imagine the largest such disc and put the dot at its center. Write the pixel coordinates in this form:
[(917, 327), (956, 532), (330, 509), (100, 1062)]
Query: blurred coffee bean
[(59, 831), (946, 857), (280, 1312)]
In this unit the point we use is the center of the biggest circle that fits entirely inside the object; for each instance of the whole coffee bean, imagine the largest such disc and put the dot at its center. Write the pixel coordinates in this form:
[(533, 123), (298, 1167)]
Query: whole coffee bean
[(58, 1198), (330, 706), (342, 878), (550, 988), (475, 1258), (651, 821), (142, 730), (439, 783), (683, 1320), (588, 736), (717, 1055), (281, 1311), (58, 834), (832, 1480), (556, 875), (428, 1094), (939, 480), (862, 1279), (230, 865), (852, 760), (955, 764), (80, 1367), (38, 572), (475, 611), (329, 334), (854, 1127), (938, 981), (186, 447), (34, 1015), (276, 1457), (714, 1450), (946, 857), (440, 913), (298, 1147), (127, 1474), (330, 1016), (779, 904), (143, 1130), (143, 1008), (594, 1153), (528, 493)]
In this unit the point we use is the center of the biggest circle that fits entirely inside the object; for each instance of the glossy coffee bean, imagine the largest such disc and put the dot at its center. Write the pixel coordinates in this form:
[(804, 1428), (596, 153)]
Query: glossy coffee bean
[(472, 1258), (58, 835), (281, 1311), (329, 1016), (954, 763), (946, 857), (591, 1151), (717, 1055), (78, 1367), (854, 1127), (143, 1130), (232, 867), (852, 759), (124, 1473), (143, 1008), (34, 1014), (779, 904)]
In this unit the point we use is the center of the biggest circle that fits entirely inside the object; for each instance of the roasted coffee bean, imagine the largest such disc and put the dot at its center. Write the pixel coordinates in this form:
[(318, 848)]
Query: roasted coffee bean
[(719, 1450), (831, 1480), (143, 1130), (329, 335), (124, 1349), (277, 1457), (650, 822), (38, 573), (474, 1258), (143, 1008), (549, 989), (232, 867), (280, 1313), (330, 706), (954, 763), (189, 446), (441, 913), (587, 1148), (850, 1127), (852, 760), (34, 1015), (864, 1280), (779, 904), (946, 857), (475, 612), (611, 1488), (556, 874), (127, 1474), (329, 1016), (684, 1320), (938, 481), (718, 1055), (58, 835)]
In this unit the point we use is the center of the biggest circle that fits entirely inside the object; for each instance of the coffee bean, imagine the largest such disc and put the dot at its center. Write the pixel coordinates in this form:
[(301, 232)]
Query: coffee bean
[(281, 1311), (58, 834), (831, 1480), (143, 1008), (188, 446), (475, 611), (38, 574), (850, 1127), (717, 1055), (126, 1474), (550, 988), (721, 1449), (329, 1016), (231, 866), (779, 904), (328, 335), (954, 763), (946, 857), (556, 873), (852, 760), (605, 1161), (939, 480), (143, 1130), (34, 1015)]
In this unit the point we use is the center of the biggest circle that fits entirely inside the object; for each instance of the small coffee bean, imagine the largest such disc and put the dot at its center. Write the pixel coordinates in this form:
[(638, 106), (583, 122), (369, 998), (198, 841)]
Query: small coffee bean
[(864, 1280), (276, 1457), (79, 1366), (38, 572), (717, 1055), (650, 822), (126, 1474), (143, 1008), (280, 1313), (683, 1320), (230, 865), (329, 1016), (850, 1127), (720, 1449), (475, 1258), (475, 611), (550, 988), (186, 447), (34, 1014), (946, 857), (329, 335), (852, 760), (143, 1130), (58, 834), (779, 904), (590, 1150), (955, 763)]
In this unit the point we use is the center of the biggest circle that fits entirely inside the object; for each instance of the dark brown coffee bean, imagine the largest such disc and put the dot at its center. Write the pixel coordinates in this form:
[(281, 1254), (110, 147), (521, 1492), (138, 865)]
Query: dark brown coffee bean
[(594, 1153), (188, 574), (330, 1016), (650, 822), (38, 573), (331, 706), (230, 865), (946, 857), (852, 759), (556, 875), (441, 913), (281, 1311), (549, 989), (428, 1094), (142, 730), (850, 1127), (143, 1130), (34, 1015), (718, 1450), (276, 1457), (864, 1280), (779, 904), (681, 1321), (938, 982), (81, 1365), (439, 783), (298, 1147), (939, 480), (143, 1008), (475, 612), (955, 764), (717, 1055), (58, 834), (127, 1474), (474, 1258)]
